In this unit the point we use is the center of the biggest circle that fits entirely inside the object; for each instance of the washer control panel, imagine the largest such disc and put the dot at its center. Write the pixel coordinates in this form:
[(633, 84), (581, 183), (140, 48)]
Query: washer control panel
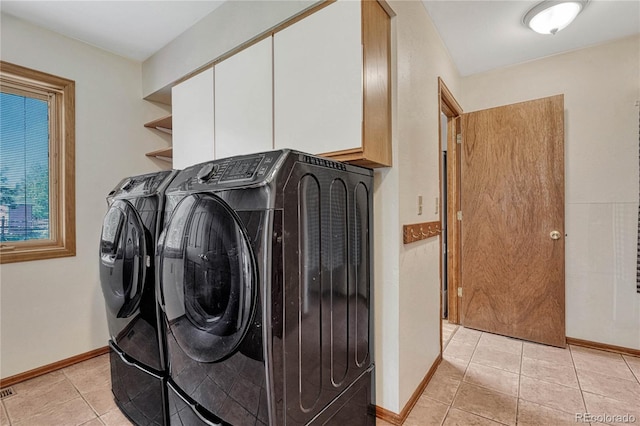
[(139, 186)]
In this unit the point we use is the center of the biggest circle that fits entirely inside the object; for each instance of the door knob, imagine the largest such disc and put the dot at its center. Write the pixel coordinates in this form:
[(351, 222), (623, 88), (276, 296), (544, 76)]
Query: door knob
[(555, 235)]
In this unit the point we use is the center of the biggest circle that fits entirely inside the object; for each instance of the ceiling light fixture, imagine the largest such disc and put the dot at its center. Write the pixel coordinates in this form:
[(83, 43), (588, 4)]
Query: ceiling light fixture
[(551, 16)]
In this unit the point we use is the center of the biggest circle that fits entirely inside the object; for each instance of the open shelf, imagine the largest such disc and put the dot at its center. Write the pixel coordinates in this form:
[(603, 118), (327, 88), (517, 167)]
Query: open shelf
[(163, 124), (162, 154)]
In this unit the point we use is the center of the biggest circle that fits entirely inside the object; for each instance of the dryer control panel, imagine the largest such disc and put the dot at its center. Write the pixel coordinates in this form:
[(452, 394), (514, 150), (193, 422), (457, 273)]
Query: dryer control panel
[(229, 172), (241, 169)]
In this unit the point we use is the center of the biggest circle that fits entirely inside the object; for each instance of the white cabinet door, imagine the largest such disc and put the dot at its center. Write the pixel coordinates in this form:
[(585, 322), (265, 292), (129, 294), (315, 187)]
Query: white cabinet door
[(192, 114), (318, 81), (244, 102)]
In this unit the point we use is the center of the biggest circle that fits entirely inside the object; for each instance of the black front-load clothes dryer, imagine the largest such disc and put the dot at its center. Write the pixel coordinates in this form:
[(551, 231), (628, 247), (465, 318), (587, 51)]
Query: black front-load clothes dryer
[(127, 248), (264, 279)]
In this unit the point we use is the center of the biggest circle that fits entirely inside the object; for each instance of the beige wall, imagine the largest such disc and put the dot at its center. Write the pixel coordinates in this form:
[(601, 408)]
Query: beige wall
[(422, 58), (53, 309), (601, 86)]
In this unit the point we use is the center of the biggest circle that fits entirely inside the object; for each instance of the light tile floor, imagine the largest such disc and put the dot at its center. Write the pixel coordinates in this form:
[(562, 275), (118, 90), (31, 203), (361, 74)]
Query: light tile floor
[(76, 395), (486, 379), (483, 379)]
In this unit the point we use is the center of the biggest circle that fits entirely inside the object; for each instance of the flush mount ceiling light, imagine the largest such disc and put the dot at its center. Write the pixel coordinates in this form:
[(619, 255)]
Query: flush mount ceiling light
[(551, 16)]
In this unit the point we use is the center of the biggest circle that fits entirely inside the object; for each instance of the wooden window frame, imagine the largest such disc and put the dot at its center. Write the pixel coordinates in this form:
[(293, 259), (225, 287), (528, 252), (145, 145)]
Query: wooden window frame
[(62, 223)]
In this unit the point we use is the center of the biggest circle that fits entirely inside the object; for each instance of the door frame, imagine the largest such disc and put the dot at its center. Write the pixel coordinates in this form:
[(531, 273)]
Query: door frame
[(452, 110)]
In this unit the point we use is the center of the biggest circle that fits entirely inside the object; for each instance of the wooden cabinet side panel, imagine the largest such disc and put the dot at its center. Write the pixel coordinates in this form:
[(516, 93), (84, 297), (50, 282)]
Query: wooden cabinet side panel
[(376, 30)]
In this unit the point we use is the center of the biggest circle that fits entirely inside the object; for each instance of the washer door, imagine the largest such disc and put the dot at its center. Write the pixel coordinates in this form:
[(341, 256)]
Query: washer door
[(207, 278), (123, 254)]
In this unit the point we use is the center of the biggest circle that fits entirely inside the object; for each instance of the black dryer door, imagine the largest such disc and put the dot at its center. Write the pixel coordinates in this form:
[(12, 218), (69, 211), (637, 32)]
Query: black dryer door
[(123, 254), (207, 279)]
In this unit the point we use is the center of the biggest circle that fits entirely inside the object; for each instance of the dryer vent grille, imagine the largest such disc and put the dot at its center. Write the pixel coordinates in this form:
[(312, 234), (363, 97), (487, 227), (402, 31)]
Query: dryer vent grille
[(323, 162), (6, 393)]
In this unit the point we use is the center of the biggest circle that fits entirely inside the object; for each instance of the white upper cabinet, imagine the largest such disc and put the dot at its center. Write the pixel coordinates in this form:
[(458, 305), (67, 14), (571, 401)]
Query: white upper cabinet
[(319, 85), (193, 126), (244, 102), (318, 65)]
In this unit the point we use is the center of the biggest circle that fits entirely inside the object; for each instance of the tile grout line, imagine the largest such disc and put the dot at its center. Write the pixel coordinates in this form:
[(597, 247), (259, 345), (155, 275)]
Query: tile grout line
[(599, 394), (462, 381), (6, 413), (519, 381), (453, 333), (82, 396), (575, 370), (579, 389), (520, 375), (446, 414), (632, 372), (98, 416), (50, 409), (550, 382)]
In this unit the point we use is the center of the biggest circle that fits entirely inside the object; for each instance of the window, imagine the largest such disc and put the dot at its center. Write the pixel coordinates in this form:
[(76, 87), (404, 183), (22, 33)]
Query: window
[(37, 165)]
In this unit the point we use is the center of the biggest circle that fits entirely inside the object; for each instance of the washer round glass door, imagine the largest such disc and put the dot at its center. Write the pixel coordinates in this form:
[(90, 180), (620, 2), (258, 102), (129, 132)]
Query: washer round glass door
[(207, 277), (123, 254)]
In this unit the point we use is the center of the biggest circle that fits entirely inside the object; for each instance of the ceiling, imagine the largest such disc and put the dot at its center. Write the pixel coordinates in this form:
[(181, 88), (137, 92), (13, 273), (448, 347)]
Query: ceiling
[(133, 29), (482, 35), (479, 34)]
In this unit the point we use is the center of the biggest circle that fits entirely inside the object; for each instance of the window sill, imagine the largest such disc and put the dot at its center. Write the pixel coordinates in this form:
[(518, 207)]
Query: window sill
[(18, 252)]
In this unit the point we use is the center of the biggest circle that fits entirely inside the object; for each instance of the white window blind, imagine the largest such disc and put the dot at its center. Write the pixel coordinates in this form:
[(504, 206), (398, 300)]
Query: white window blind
[(24, 166)]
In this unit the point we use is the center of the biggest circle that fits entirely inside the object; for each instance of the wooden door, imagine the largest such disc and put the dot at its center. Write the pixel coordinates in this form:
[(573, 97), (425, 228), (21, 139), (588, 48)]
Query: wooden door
[(512, 201)]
